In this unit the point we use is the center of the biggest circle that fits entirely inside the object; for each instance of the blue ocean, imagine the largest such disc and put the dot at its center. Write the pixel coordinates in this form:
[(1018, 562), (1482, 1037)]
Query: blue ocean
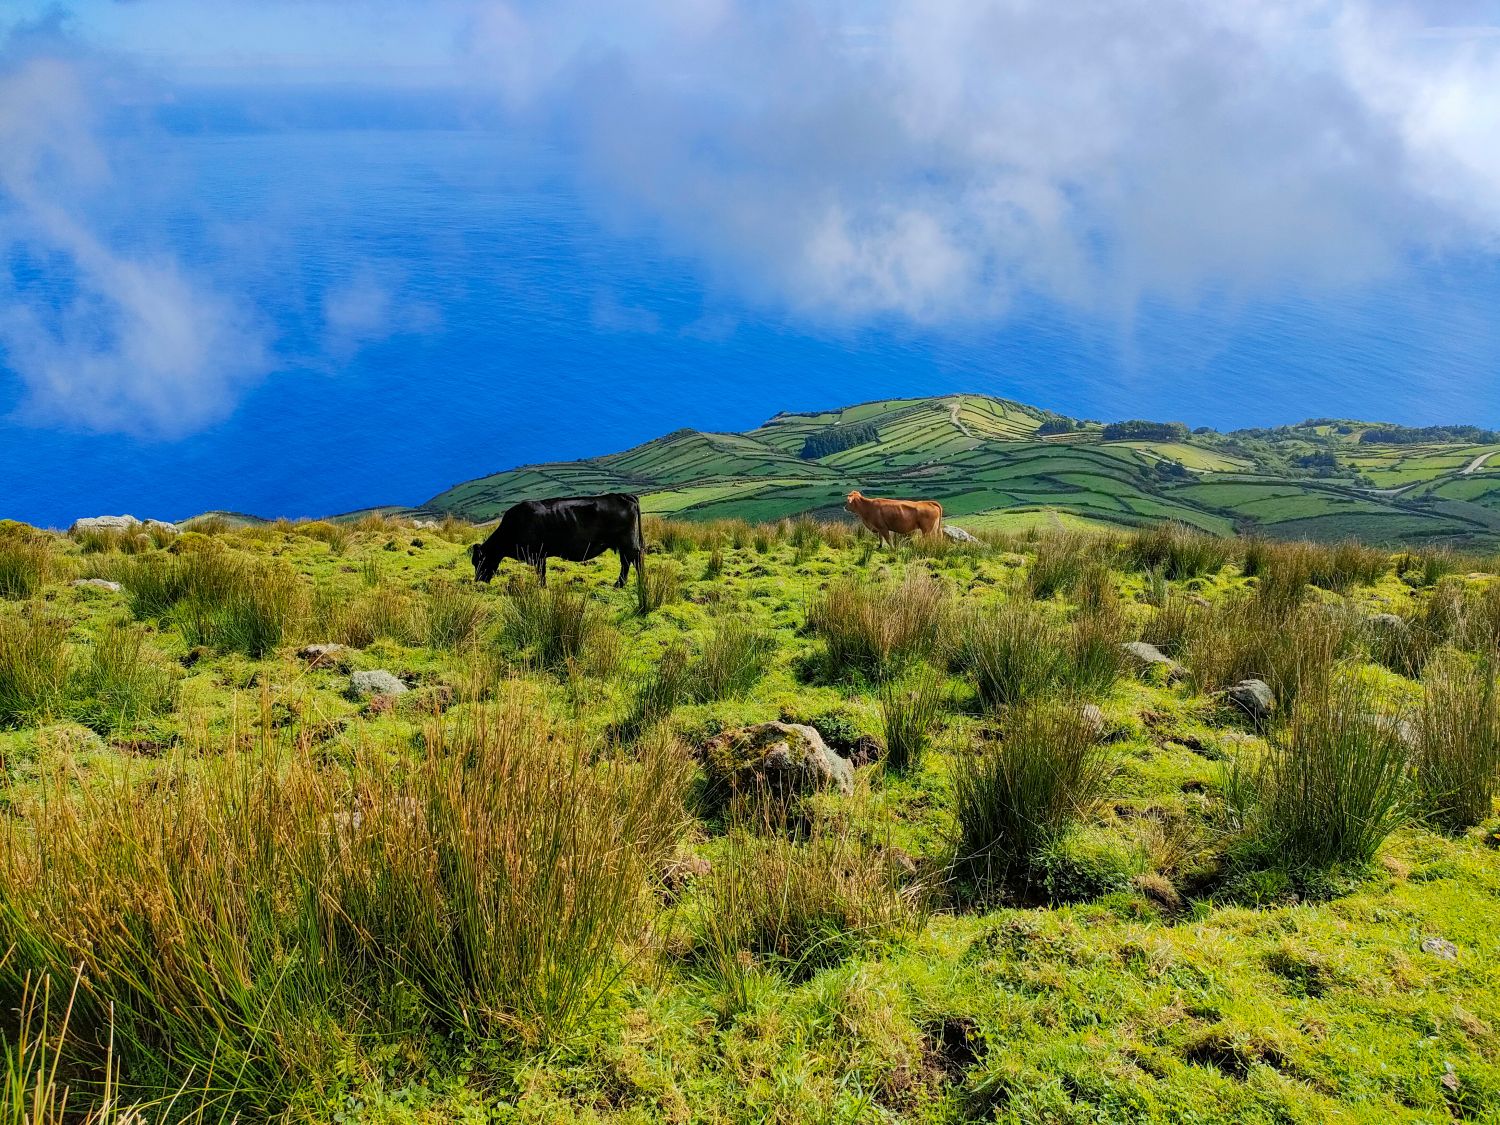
[(523, 322)]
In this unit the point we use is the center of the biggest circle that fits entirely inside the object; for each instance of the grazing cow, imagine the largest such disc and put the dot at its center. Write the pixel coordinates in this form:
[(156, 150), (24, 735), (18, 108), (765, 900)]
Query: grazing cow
[(576, 528), (890, 518)]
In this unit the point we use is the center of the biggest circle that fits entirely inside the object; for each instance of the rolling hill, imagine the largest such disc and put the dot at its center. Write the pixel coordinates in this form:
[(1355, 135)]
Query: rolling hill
[(1000, 464)]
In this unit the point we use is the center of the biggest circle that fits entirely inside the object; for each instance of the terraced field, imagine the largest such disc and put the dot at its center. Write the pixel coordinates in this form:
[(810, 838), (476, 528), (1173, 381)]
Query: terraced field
[(989, 463)]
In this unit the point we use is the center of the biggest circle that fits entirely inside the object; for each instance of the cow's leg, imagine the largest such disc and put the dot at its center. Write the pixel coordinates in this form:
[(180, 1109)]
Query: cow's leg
[(541, 571), (626, 558)]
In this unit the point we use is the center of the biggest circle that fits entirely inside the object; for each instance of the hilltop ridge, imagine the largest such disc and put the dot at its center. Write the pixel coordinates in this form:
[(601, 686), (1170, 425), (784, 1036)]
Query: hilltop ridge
[(998, 463)]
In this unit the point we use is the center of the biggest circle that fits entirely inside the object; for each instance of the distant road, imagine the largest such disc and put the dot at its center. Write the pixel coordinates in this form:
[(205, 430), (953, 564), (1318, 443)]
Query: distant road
[(1474, 465)]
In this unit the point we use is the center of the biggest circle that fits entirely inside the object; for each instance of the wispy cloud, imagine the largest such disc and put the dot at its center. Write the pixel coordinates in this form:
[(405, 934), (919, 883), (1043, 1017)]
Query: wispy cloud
[(101, 337), (935, 159)]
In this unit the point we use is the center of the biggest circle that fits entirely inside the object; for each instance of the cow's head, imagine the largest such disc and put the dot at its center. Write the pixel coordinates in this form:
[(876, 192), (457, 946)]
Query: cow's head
[(852, 500), (486, 558)]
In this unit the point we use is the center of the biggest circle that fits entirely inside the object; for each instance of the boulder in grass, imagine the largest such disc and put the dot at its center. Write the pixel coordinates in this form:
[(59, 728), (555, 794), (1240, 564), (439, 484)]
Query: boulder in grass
[(1386, 622), (1440, 947), (958, 534), (363, 685), (1254, 697), (783, 758), (1147, 657), (97, 584), (104, 523), (163, 525)]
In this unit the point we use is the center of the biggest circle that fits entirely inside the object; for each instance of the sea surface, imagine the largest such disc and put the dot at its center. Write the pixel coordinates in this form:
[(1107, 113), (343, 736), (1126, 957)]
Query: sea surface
[(522, 320)]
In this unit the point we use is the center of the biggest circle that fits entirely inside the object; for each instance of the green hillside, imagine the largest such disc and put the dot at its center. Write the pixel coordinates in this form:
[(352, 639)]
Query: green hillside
[(1000, 464)]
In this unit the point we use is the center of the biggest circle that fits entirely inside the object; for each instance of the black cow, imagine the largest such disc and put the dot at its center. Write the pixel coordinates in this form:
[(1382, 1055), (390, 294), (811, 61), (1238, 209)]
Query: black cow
[(576, 528)]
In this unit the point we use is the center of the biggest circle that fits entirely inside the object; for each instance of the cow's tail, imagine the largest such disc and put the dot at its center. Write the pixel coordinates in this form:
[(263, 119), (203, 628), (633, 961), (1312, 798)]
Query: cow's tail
[(638, 539)]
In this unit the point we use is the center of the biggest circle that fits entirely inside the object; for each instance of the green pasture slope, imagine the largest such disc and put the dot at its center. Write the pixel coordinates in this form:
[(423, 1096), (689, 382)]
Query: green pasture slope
[(986, 461)]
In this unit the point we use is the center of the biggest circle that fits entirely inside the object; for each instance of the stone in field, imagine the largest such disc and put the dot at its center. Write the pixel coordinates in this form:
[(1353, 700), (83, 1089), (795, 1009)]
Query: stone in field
[(378, 682)]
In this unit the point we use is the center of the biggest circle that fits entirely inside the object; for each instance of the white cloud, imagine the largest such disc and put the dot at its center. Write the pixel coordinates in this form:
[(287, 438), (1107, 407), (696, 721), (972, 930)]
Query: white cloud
[(108, 340), (934, 159)]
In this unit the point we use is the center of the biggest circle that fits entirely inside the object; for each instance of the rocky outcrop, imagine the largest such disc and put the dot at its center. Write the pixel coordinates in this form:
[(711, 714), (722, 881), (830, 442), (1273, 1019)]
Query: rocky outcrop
[(1149, 658), (1254, 697), (958, 534), (782, 758), (96, 584)]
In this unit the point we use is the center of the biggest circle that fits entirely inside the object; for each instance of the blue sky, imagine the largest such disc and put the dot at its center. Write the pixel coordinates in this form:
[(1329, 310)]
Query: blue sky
[(1179, 179)]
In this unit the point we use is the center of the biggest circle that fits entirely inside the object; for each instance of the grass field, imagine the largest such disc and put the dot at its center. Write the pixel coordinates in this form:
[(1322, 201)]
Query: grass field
[(980, 456), (535, 873)]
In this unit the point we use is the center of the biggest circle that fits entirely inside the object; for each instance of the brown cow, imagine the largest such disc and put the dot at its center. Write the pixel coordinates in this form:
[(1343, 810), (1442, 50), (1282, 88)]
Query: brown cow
[(890, 518)]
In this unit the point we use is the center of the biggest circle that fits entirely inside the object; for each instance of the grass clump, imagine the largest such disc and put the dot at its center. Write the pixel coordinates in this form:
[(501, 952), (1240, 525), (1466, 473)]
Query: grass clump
[(1012, 652), (1177, 551), (657, 585), (1458, 744), (1059, 562), (1332, 786), (1018, 796), (735, 656), (122, 682), (553, 624), (909, 711), (798, 906), (250, 925), (34, 666), (877, 628), (252, 613), (26, 562), (455, 615)]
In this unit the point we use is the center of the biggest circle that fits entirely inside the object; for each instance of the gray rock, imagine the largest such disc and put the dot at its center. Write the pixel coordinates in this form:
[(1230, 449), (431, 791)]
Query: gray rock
[(783, 757), (105, 523), (1383, 621), (377, 682), (1093, 719), (958, 534), (1440, 947), (164, 525), (97, 584), (1254, 697), (1148, 656)]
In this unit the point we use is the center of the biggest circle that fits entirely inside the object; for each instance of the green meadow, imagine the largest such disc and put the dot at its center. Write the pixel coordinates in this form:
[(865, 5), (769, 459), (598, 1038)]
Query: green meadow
[(1075, 823)]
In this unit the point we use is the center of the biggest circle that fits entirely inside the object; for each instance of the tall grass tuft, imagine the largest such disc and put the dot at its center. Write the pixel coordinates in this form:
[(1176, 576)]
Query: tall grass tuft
[(1177, 551), (800, 906), (1331, 788), (1293, 652), (34, 666), (1059, 562), (1093, 657), (245, 926), (669, 683), (909, 711), (553, 624), (455, 614), (1012, 652), (1020, 795), (1458, 744), (26, 562), (657, 585), (877, 628), (735, 656), (255, 612), (122, 682)]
